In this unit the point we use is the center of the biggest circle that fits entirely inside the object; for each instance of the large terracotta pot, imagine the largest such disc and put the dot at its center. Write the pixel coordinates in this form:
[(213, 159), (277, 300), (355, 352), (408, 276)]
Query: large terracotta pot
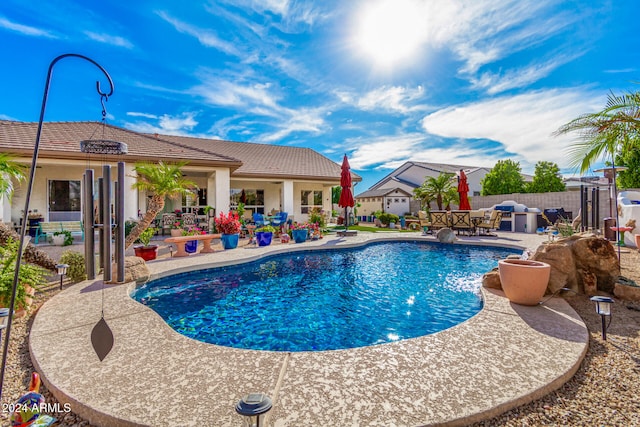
[(524, 281), (176, 232), (637, 237)]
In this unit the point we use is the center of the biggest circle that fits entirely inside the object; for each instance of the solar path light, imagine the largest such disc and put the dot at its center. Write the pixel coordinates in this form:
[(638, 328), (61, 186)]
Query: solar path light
[(253, 408), (62, 270), (603, 308)]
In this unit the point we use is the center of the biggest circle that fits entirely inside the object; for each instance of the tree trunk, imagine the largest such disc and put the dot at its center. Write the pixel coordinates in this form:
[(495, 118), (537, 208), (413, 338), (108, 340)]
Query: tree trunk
[(156, 204), (32, 254)]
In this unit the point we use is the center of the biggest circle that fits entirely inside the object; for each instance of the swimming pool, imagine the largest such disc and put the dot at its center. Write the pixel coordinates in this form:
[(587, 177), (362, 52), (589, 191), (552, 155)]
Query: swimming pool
[(327, 299)]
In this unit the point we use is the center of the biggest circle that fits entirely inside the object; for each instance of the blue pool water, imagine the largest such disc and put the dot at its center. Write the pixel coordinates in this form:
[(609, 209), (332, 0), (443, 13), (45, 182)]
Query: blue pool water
[(329, 299)]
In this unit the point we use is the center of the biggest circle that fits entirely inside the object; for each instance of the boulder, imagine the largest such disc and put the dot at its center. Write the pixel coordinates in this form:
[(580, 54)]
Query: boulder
[(491, 279), (582, 262), (446, 235), (135, 270)]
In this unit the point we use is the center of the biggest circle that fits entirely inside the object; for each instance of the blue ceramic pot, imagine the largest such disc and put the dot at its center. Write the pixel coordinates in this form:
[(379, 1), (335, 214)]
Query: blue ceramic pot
[(191, 246), (299, 236), (264, 238), (230, 241)]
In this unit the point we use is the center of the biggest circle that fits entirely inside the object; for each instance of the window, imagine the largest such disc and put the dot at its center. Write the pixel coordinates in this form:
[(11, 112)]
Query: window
[(252, 199), (309, 200), (64, 200)]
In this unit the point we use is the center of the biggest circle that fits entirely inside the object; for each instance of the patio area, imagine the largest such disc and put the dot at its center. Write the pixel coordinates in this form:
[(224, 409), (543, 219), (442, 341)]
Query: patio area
[(505, 356)]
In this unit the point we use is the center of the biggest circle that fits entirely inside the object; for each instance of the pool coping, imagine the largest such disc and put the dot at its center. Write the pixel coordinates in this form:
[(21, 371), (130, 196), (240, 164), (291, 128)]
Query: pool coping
[(155, 376)]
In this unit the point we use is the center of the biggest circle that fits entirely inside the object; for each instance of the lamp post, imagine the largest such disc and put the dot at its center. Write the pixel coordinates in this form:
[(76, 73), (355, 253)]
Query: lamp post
[(27, 197), (603, 308), (62, 270), (253, 408)]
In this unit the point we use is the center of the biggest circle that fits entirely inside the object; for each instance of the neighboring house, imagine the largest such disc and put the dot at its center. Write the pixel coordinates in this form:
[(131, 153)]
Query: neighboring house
[(412, 175), (266, 177), (391, 200)]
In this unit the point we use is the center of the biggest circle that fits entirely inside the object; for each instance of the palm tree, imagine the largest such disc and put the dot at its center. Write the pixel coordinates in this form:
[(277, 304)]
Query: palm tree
[(161, 180), (615, 128), (11, 172), (424, 196), (438, 187)]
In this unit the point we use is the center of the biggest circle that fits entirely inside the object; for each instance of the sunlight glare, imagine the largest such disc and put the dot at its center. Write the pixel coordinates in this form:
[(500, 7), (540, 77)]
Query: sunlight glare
[(391, 31)]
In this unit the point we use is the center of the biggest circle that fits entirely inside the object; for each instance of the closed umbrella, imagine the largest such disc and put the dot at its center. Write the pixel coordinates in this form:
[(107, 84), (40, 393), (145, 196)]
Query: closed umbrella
[(463, 189), (346, 197)]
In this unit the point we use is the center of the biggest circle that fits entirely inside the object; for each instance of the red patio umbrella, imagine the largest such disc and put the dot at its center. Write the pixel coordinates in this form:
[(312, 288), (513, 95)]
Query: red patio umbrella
[(463, 189), (346, 197)]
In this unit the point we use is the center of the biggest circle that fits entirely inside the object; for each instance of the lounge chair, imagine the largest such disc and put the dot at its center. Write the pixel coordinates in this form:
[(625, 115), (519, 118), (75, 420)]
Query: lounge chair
[(260, 220), (493, 223), (439, 219), (461, 222)]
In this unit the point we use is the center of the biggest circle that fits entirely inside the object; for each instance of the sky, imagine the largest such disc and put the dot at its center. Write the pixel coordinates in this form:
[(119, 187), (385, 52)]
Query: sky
[(466, 82)]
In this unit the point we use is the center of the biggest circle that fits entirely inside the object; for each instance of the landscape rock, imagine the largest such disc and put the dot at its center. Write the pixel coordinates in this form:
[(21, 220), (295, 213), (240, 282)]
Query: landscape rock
[(446, 235), (582, 262), (135, 270)]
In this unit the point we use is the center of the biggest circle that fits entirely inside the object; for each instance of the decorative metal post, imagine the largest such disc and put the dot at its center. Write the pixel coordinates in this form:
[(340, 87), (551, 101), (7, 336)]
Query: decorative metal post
[(34, 160)]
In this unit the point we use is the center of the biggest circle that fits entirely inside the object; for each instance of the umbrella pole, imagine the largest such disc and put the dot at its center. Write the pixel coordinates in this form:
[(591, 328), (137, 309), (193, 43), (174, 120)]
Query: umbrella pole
[(346, 219)]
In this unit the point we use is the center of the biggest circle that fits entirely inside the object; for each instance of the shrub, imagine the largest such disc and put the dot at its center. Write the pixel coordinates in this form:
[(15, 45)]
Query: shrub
[(76, 271), (266, 229), (385, 218), (316, 217), (146, 235), (30, 274)]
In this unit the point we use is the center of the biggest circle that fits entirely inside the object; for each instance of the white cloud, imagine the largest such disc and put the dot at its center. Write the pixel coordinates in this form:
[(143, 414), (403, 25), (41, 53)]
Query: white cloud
[(227, 93), (394, 98), (109, 39), (303, 120), (145, 115), (169, 125), (205, 37), (518, 77), (25, 29), (523, 124)]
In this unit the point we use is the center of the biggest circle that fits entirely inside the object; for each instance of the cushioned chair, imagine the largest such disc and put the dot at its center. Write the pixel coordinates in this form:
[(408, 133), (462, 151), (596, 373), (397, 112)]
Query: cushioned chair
[(280, 219), (260, 220), (461, 222), (439, 219), (425, 223), (493, 223)]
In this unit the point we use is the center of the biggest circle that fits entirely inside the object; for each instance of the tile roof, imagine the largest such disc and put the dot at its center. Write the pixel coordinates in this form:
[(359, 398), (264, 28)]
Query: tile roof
[(62, 140), (275, 161)]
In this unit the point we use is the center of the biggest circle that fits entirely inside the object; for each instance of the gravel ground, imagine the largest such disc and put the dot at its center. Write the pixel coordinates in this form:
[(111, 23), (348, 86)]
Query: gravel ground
[(604, 392)]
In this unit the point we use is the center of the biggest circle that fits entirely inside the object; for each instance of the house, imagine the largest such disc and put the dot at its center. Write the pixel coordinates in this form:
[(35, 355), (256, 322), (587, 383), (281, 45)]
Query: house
[(412, 175), (391, 200), (265, 177)]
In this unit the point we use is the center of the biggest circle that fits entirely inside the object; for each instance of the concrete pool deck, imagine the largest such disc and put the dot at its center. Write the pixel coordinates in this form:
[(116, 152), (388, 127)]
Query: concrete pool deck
[(505, 356)]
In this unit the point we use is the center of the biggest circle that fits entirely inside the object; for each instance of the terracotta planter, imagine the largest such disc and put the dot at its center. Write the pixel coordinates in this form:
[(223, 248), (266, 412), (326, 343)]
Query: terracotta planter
[(524, 281), (176, 232), (637, 238), (147, 253)]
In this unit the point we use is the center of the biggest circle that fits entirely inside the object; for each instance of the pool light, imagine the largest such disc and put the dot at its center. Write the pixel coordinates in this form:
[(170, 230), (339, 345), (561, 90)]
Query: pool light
[(253, 408), (603, 308)]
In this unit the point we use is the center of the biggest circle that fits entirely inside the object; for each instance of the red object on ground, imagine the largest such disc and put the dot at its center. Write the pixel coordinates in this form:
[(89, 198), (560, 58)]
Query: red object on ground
[(463, 189)]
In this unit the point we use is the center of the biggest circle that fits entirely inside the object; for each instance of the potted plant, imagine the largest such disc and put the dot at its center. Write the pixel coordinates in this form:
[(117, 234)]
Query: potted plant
[(524, 281), (147, 252), (264, 235), (229, 227), (192, 245), (176, 228), (300, 232), (62, 238)]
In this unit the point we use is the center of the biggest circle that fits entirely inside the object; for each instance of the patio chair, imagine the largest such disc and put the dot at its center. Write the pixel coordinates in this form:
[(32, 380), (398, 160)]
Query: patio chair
[(189, 220), (493, 223), (168, 219), (279, 219), (425, 223), (260, 220), (439, 219), (461, 222)]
